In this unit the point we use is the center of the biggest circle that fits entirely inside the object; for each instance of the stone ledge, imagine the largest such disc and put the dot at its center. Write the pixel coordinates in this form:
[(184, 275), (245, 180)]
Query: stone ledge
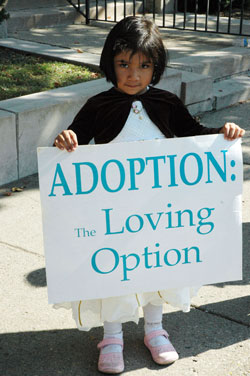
[(216, 64), (27, 4), (52, 52), (8, 151), (36, 119), (195, 88), (26, 19), (200, 107), (231, 91)]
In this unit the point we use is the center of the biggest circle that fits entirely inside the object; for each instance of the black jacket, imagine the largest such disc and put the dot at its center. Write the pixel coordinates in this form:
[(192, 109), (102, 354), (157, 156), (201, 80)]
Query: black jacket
[(104, 115)]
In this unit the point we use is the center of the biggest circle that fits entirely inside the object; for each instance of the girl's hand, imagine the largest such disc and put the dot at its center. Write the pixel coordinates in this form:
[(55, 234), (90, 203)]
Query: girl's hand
[(232, 131), (66, 140)]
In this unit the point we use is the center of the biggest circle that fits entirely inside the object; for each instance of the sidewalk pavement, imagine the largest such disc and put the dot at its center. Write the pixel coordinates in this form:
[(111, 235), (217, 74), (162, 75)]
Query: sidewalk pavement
[(212, 340), (180, 43)]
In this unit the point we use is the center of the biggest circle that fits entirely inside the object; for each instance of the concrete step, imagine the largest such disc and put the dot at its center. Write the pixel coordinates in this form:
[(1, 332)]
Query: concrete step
[(27, 19), (30, 4), (41, 16), (196, 87), (217, 64), (200, 94), (231, 91)]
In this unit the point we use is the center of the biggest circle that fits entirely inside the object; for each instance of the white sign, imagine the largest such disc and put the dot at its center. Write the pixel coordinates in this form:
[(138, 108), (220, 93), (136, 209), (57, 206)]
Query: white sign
[(141, 216)]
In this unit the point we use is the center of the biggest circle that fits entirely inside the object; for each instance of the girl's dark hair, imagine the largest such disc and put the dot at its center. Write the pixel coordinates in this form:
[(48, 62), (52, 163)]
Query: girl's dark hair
[(136, 34)]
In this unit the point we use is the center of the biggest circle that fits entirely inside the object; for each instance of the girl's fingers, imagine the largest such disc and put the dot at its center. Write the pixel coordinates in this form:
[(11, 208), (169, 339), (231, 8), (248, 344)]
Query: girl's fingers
[(73, 139), (242, 132), (59, 142), (232, 131), (66, 140)]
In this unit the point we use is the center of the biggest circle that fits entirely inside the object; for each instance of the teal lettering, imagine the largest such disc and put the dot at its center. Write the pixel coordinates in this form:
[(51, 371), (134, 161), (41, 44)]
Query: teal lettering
[(146, 254), (172, 170), (151, 222), (125, 267), (183, 172), (104, 175), (186, 251), (156, 169), (178, 257), (180, 212), (140, 223), (63, 182), (93, 168), (133, 173), (207, 212), (116, 260), (108, 227), (221, 171)]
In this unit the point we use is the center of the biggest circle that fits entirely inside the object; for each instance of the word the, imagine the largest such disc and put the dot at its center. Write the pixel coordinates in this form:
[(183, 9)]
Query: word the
[(82, 232)]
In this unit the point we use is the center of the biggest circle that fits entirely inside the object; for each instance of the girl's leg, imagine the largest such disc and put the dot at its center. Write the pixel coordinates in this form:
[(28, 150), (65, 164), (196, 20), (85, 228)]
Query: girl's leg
[(152, 322), (112, 330), (111, 357), (156, 339)]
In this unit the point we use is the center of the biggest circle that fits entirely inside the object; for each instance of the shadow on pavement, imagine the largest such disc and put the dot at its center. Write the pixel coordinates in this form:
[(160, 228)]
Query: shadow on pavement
[(71, 352), (37, 278)]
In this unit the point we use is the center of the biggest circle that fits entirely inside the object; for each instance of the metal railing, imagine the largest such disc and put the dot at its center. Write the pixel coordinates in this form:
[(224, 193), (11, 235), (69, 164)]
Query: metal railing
[(78, 5), (215, 16)]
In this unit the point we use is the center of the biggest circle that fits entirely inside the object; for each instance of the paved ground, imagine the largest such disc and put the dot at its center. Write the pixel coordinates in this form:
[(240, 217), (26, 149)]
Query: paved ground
[(35, 340), (91, 39)]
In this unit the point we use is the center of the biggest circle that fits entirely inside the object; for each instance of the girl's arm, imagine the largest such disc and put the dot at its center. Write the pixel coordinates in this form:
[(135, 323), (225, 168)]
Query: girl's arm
[(66, 140), (183, 124), (232, 131), (80, 132)]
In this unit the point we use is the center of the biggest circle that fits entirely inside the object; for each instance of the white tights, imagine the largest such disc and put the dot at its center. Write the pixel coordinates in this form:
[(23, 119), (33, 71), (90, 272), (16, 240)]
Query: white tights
[(152, 321)]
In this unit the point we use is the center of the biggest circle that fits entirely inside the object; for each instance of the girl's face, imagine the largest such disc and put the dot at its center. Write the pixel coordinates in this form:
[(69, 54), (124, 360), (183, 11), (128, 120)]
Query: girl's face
[(133, 73)]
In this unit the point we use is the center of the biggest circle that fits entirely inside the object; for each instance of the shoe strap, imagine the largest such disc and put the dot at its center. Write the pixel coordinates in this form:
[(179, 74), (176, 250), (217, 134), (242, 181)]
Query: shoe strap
[(156, 333), (110, 341)]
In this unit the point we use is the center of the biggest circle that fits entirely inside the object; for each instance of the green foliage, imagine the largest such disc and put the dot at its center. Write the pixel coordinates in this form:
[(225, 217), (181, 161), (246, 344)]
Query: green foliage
[(26, 74)]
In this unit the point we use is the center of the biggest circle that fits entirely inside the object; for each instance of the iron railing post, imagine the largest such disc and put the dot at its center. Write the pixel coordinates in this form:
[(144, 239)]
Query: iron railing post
[(211, 14), (241, 16), (207, 14), (87, 11), (174, 15)]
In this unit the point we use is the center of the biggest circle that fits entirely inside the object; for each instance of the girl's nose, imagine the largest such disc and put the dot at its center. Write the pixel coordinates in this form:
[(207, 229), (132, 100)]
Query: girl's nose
[(133, 74)]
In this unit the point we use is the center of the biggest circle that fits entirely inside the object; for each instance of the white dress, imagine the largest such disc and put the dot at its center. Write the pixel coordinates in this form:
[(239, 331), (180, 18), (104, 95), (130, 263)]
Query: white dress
[(92, 313)]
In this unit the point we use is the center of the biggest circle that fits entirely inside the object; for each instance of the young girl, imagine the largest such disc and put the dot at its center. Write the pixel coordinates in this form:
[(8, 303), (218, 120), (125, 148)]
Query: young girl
[(133, 59)]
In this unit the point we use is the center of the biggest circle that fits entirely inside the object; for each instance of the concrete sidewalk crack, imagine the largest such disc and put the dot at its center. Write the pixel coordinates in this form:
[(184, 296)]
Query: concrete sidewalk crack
[(17, 248), (220, 315)]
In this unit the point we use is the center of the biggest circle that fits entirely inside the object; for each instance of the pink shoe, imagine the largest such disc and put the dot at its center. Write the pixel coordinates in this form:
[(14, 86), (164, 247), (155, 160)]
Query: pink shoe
[(164, 354), (111, 362)]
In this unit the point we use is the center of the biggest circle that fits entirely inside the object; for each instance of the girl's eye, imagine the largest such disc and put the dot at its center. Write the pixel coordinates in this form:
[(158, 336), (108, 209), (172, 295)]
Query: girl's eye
[(123, 65), (145, 66)]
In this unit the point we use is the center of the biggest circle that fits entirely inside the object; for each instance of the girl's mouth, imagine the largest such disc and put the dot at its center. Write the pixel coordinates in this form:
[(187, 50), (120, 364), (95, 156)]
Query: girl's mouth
[(133, 86)]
